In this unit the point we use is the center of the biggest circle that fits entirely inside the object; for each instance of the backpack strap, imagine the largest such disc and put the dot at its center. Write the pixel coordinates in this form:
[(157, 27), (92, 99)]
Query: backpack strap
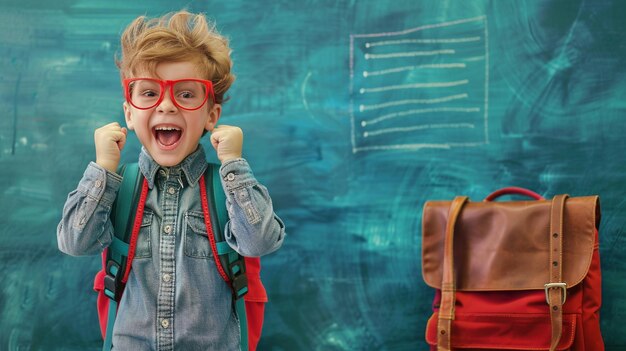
[(230, 265), (235, 272), (125, 203), (222, 217), (130, 199)]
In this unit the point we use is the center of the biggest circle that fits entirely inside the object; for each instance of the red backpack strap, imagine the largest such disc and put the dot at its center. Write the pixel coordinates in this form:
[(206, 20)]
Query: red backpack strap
[(209, 230), (120, 254), (136, 226), (118, 257), (229, 264), (126, 204)]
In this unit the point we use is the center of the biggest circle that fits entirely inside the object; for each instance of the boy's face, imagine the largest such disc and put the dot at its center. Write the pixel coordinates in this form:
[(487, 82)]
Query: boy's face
[(168, 132)]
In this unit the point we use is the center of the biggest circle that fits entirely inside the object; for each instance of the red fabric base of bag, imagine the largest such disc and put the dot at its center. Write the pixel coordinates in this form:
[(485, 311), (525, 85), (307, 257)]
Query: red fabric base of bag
[(520, 320)]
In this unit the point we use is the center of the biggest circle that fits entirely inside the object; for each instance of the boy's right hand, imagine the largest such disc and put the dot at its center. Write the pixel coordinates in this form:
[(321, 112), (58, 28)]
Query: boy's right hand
[(109, 140)]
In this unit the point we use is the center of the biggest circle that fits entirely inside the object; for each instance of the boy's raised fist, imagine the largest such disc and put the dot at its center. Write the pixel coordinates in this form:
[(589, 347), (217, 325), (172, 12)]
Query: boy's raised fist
[(109, 141), (227, 141)]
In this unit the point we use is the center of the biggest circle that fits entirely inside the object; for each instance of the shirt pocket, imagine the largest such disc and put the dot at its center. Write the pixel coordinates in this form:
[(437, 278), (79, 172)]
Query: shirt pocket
[(196, 241), (144, 246)]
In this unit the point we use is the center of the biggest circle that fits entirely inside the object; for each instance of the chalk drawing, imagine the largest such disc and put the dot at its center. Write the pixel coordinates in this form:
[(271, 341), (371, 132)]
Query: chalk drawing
[(392, 74)]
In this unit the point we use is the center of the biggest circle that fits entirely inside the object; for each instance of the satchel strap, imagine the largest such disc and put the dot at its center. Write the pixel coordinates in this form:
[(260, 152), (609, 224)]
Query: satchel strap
[(556, 292), (448, 299)]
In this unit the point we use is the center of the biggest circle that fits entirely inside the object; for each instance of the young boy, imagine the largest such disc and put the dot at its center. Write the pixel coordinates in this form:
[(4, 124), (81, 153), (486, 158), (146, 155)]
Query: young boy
[(175, 71)]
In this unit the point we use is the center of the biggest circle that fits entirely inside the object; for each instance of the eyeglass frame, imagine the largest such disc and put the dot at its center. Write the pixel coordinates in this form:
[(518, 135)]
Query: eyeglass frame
[(164, 84)]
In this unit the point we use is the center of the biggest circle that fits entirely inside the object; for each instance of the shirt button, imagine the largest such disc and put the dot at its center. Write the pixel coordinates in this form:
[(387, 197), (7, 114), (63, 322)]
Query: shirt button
[(171, 190), (162, 173), (166, 277), (98, 183), (167, 229), (230, 177), (165, 323)]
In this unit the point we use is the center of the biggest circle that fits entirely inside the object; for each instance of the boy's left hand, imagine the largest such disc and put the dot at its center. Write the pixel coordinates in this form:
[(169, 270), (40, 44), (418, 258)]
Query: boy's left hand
[(227, 142)]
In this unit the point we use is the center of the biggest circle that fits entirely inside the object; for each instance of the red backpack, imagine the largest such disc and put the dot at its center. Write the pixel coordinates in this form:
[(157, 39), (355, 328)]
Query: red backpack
[(241, 273)]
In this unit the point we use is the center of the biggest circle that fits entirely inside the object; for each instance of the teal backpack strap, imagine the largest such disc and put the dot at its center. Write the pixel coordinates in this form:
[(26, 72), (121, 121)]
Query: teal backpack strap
[(219, 200), (121, 217), (230, 259)]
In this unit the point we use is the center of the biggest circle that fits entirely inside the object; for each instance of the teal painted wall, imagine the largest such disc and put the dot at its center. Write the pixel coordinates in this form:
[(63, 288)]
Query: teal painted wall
[(526, 93)]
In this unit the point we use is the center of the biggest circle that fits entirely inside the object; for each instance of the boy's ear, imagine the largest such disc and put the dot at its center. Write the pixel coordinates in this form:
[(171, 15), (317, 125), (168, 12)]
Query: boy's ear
[(128, 116), (214, 115)]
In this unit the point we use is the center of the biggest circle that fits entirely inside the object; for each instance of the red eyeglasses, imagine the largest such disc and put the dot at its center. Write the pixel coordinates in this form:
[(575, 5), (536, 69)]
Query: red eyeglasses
[(188, 94)]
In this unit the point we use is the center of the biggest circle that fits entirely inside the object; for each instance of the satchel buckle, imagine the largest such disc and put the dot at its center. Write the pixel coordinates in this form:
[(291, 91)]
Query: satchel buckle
[(562, 286)]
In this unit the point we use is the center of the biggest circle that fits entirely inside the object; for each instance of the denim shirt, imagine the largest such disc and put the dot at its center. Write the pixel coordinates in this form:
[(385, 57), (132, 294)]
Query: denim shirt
[(174, 296)]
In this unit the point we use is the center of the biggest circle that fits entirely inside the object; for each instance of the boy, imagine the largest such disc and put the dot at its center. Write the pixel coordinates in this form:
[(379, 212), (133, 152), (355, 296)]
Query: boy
[(175, 71)]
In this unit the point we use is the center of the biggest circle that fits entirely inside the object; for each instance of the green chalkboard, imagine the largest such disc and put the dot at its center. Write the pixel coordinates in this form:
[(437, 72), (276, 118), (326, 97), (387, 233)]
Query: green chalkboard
[(355, 113)]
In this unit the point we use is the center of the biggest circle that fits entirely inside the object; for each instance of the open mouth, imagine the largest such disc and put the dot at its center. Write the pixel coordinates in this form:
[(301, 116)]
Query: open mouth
[(167, 136)]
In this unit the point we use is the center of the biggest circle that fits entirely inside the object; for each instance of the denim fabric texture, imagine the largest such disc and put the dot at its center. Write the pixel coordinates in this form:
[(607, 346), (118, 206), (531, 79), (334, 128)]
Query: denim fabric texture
[(174, 298)]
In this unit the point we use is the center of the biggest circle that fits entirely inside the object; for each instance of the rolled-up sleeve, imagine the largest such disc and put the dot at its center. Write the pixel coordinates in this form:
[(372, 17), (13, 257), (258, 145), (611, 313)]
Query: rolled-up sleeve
[(85, 227), (253, 229)]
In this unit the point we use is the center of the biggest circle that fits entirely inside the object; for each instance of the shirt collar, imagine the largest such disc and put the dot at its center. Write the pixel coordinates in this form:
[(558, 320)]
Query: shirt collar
[(193, 166)]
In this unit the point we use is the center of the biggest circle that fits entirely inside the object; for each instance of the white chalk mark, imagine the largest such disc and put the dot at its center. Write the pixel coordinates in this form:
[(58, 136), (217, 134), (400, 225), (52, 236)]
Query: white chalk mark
[(410, 68), (429, 26), (364, 108), (303, 93), (475, 58), (486, 82), (409, 54), (419, 111), (419, 127), (414, 86), (422, 41), (415, 146)]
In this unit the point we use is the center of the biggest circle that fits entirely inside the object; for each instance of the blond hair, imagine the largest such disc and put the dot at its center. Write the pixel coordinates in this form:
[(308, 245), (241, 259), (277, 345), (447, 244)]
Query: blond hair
[(177, 37)]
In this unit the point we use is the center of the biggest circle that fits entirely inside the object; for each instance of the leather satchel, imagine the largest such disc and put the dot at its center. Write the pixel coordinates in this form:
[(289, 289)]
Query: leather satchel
[(513, 275)]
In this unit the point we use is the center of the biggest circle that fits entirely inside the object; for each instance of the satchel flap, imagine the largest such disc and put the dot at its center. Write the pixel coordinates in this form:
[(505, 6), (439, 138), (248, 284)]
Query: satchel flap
[(506, 245)]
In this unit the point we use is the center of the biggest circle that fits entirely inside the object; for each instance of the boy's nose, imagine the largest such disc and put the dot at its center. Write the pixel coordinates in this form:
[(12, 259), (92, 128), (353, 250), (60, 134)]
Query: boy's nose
[(166, 105)]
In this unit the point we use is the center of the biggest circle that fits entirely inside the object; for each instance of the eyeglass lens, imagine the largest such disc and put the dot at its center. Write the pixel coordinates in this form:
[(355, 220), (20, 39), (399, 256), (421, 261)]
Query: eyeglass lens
[(146, 93)]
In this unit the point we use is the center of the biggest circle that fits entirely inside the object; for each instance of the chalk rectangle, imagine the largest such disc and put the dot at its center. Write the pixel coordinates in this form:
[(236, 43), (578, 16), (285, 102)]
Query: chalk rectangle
[(424, 87)]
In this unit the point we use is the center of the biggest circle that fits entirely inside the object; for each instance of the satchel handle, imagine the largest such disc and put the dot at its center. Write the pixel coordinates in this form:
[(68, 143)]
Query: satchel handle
[(513, 190)]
